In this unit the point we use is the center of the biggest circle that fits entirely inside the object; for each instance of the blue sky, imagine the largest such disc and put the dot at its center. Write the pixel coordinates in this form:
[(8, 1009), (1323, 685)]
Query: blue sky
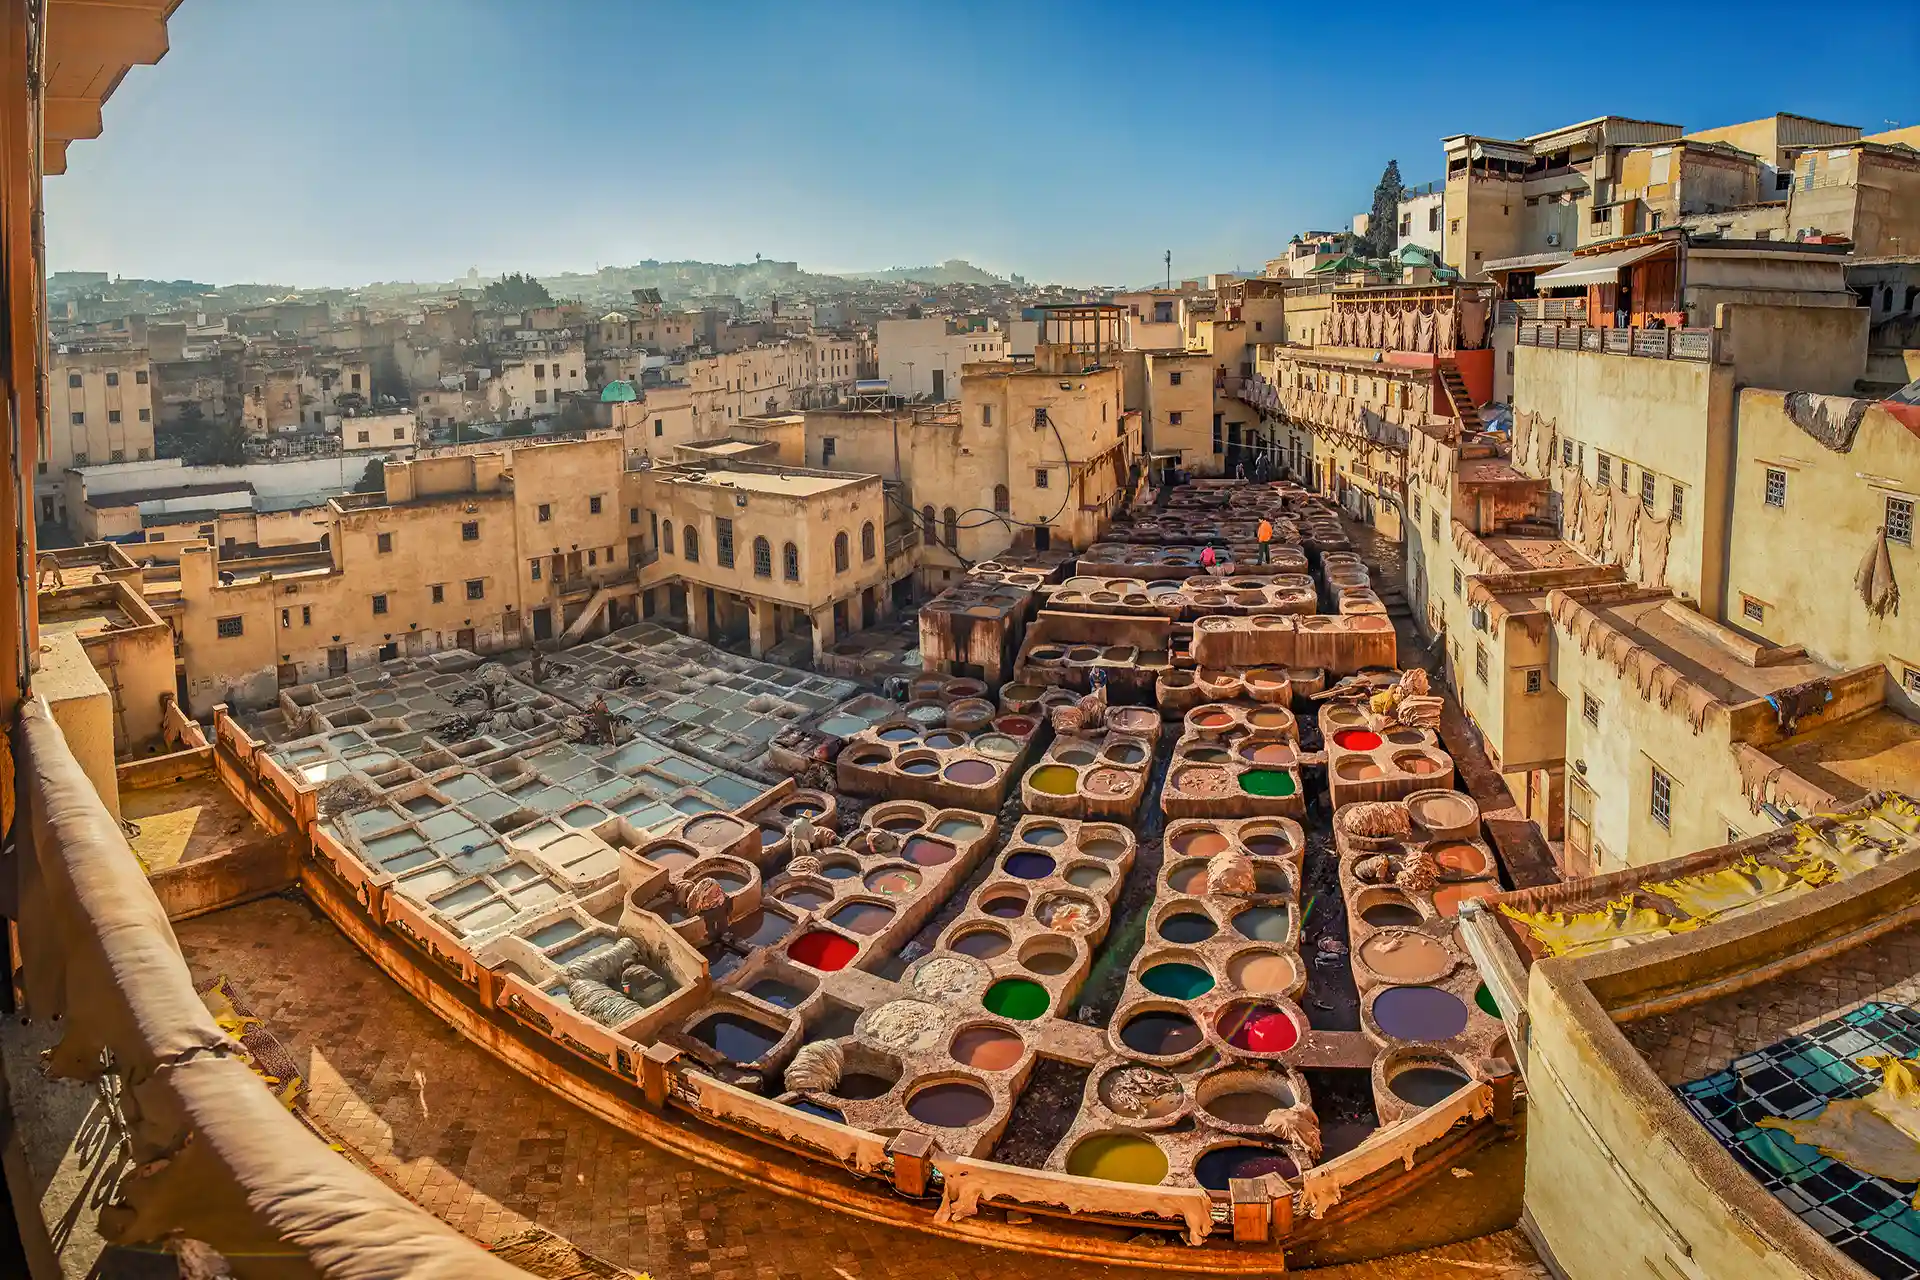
[(356, 140)]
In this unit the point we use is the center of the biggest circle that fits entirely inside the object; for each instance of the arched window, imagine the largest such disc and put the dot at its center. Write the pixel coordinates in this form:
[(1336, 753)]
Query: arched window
[(866, 541), (790, 562), (666, 537), (841, 557), (926, 522), (762, 558), (1001, 500), (690, 545), (953, 530)]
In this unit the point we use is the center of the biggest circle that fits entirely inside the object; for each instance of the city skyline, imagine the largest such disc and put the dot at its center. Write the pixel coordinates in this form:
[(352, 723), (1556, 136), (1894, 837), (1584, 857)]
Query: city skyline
[(1071, 145)]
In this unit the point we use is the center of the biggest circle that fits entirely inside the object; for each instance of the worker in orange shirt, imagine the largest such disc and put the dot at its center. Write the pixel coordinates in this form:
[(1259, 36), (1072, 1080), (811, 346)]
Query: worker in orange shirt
[(1265, 536)]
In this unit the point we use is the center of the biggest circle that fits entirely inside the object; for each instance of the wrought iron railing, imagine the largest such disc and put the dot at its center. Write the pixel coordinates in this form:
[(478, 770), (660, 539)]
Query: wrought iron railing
[(1654, 344)]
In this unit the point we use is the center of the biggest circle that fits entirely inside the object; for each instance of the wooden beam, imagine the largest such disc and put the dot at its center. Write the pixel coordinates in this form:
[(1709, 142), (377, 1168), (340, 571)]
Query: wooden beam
[(112, 35), (67, 119)]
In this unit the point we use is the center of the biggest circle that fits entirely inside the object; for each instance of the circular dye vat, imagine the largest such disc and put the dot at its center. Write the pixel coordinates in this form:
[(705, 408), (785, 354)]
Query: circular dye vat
[(987, 1048), (1268, 782), (863, 918), (1118, 1157), (1005, 908), (1419, 1013), (893, 880), (1248, 1107), (1089, 877), (1054, 780), (1199, 842), (1188, 877), (735, 1038), (705, 830), (898, 733), (1383, 915), (1017, 999), (950, 1106), (1177, 981), (1047, 964), (970, 773), (1212, 719), (1076, 756), (1044, 835), (771, 836), (981, 944), (1257, 1027), (804, 897), (1266, 844), (1219, 1167), (946, 740), (1405, 955), (958, 828), (1447, 899), (824, 951), (919, 766), (761, 928), (1262, 972), (1424, 1086), (728, 879), (1459, 858), (840, 870), (1275, 753), (929, 853), (1417, 763), (1103, 847), (1356, 739), (1270, 718), (1126, 753), (997, 745), (1140, 1092), (1028, 865), (1208, 755), (862, 1086), (1484, 1001), (1188, 926), (1160, 1033), (1264, 924), (802, 809), (1017, 726)]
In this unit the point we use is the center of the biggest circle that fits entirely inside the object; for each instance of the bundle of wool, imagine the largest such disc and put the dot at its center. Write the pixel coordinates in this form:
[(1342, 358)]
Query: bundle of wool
[(1376, 818), (1417, 872), (817, 1067), (1230, 871)]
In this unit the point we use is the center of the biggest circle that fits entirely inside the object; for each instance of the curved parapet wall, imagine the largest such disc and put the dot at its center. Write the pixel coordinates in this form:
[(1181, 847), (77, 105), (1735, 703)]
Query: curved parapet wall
[(220, 1159)]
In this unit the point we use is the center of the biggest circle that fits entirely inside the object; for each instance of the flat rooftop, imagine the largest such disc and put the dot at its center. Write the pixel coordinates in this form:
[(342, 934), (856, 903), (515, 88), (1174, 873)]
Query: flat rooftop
[(1875, 752), (793, 484), (1523, 553), (1716, 667)]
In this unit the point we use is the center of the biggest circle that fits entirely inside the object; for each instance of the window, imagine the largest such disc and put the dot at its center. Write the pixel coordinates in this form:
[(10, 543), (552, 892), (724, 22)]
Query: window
[(476, 588), (113, 416), (1040, 417), (1433, 523), (1753, 610), (953, 529), (140, 377), (384, 542), (1534, 681), (659, 427), (1900, 521), (1456, 582), (593, 557), (1662, 797), (666, 537), (77, 419), (440, 591), (1646, 490), (80, 459), (690, 545), (1566, 453), (926, 523), (228, 628), (533, 572), (866, 541), (363, 437), (540, 396), (539, 371), (146, 415), (1480, 662), (762, 558), (827, 444), (633, 515), (1776, 487), (470, 531), (722, 541), (145, 455), (118, 455), (1677, 504), (1602, 470), (1416, 505), (306, 615), (1175, 418), (1590, 709), (1002, 500), (1911, 681), (380, 603), (399, 433), (1173, 379), (790, 562), (544, 512), (73, 380), (593, 505), (986, 415), (1433, 218), (1039, 477), (842, 558), (356, 382)]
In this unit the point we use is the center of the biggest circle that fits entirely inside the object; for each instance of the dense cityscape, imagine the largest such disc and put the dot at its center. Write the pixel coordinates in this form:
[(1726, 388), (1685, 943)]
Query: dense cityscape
[(1398, 762)]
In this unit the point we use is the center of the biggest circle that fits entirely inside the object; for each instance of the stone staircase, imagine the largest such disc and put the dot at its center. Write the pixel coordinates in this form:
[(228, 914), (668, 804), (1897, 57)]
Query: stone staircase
[(1463, 406)]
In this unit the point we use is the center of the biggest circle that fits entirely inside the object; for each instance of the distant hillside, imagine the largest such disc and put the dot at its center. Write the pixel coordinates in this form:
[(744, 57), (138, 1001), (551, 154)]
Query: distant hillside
[(952, 271)]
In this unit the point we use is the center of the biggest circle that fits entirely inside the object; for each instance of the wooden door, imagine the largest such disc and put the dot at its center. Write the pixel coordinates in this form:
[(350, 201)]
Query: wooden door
[(1579, 846), (463, 639), (337, 662)]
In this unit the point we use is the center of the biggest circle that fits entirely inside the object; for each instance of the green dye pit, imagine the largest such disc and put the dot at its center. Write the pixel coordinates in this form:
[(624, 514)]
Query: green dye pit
[(1488, 1005), (1177, 981), (1017, 998), (1267, 782)]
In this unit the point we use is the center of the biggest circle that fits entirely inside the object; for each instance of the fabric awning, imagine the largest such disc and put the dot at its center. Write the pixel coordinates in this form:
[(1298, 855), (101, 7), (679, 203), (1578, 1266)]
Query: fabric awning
[(1598, 268), (1495, 151)]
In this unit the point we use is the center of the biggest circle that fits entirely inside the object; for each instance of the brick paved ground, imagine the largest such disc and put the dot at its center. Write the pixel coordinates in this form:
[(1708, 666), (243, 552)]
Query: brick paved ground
[(489, 1151), (1701, 1040)]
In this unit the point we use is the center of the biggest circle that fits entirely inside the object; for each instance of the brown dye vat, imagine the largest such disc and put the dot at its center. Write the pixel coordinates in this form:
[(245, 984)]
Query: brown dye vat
[(864, 918), (1262, 972), (970, 773), (1005, 908), (1110, 782), (1389, 913), (1403, 955), (1204, 781), (1249, 1108), (1448, 897), (952, 1105), (670, 859), (1267, 844), (987, 1048), (1048, 963), (929, 853), (1417, 763), (1273, 753), (1188, 878), (1199, 842), (1459, 858), (982, 944), (1103, 847)]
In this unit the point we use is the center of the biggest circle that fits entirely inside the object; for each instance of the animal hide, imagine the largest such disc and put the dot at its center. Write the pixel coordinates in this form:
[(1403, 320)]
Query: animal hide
[(1874, 580), (1593, 519), (1832, 420)]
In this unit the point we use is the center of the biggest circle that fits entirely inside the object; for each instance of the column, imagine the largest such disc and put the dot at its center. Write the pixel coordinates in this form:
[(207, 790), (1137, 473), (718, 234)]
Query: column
[(760, 627), (822, 632), (697, 604)]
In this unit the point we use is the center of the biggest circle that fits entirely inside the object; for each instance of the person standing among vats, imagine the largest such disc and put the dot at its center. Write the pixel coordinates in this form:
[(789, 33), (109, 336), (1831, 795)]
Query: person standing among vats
[(1264, 535)]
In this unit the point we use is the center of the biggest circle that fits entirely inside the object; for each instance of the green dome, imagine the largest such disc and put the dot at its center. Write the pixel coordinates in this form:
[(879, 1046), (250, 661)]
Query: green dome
[(617, 392)]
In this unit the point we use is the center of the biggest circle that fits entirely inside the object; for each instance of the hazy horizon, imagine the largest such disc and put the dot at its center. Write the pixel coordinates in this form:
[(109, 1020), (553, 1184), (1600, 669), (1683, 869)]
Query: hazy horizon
[(1073, 143)]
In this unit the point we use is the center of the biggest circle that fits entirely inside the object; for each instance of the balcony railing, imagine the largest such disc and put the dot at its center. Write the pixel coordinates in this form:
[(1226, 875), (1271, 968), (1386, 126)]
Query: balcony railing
[(1543, 309), (215, 1156), (1655, 344)]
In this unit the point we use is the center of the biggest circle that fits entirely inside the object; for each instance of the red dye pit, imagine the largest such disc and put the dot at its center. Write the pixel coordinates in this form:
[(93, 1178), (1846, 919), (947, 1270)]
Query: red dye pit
[(1018, 726), (1357, 739), (822, 950)]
